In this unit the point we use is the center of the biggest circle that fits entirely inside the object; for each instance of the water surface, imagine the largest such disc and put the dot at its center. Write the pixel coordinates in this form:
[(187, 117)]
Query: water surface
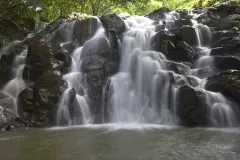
[(120, 142)]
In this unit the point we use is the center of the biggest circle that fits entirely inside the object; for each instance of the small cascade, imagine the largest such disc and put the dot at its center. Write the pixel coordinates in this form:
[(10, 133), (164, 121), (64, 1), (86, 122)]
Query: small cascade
[(73, 107), (140, 91), (146, 91), (17, 84), (221, 111)]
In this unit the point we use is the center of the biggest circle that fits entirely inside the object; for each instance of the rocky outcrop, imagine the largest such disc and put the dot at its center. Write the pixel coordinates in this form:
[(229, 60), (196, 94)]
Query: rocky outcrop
[(227, 83), (37, 105), (114, 22), (42, 57), (167, 43), (192, 108), (84, 29)]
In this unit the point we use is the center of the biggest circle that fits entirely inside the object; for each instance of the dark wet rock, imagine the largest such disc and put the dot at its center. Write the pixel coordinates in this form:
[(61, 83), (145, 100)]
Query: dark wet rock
[(178, 68), (221, 17), (189, 35), (192, 107), (166, 42), (181, 22), (163, 41), (226, 41), (227, 50), (37, 104), (96, 75), (69, 46), (227, 83), (3, 119), (9, 121), (64, 58), (114, 57), (113, 21), (7, 102), (218, 35), (182, 52), (39, 58), (227, 62), (97, 46), (63, 34), (84, 29), (93, 63), (5, 70), (42, 57), (158, 14), (182, 14)]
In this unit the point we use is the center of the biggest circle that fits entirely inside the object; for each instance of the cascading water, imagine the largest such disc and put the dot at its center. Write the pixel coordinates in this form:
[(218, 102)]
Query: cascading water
[(79, 109), (142, 79), (141, 92), (17, 84)]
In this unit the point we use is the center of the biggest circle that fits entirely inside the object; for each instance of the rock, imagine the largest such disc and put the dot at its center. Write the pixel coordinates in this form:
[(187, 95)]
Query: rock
[(42, 57), (181, 22), (64, 33), (84, 29), (38, 104), (93, 62), (158, 14), (39, 58), (227, 62), (218, 35), (166, 42), (8, 102), (3, 119), (96, 46), (114, 58), (64, 57), (227, 41), (112, 21), (96, 74), (69, 46), (227, 83), (192, 108), (227, 50), (163, 41), (189, 34), (178, 68)]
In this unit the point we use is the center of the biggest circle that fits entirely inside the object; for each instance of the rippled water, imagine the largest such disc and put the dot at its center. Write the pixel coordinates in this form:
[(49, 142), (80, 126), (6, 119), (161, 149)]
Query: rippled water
[(120, 142)]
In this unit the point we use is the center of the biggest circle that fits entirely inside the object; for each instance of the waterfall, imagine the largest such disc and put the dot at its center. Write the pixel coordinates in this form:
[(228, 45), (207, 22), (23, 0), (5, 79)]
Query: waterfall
[(141, 92), (73, 107), (16, 84)]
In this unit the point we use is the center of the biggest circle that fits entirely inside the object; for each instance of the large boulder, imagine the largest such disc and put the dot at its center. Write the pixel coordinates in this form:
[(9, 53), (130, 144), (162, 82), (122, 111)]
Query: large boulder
[(227, 83), (190, 35), (42, 57), (96, 73), (64, 33), (179, 68), (84, 29), (39, 58), (227, 62), (3, 119), (113, 21), (62, 56), (97, 46), (167, 43), (158, 14), (8, 102), (38, 104), (227, 50), (192, 107)]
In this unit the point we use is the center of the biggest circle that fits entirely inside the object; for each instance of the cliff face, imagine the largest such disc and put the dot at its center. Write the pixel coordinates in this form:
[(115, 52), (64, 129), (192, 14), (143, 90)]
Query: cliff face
[(70, 46)]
